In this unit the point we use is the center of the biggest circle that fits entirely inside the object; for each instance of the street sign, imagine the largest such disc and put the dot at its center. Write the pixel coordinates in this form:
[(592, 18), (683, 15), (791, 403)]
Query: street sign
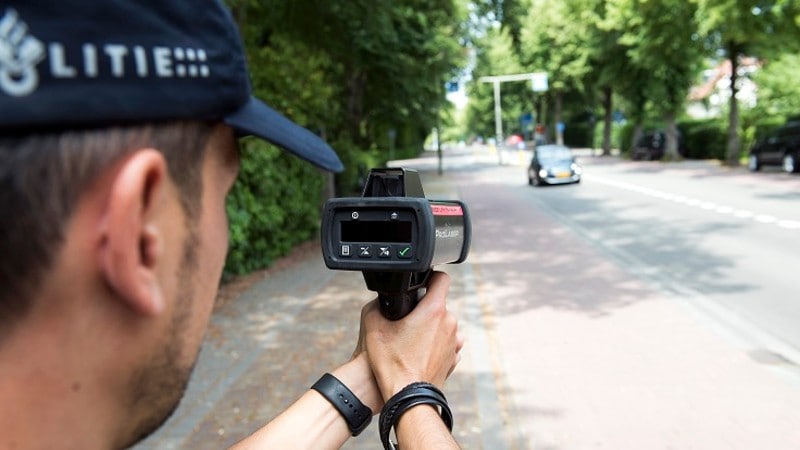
[(539, 81)]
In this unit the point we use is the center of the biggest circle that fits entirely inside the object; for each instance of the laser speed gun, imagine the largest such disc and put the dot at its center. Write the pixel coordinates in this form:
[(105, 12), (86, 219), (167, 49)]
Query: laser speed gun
[(394, 236)]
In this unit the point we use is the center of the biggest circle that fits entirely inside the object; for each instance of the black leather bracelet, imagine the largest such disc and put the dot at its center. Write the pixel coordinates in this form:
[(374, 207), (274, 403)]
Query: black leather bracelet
[(356, 414), (414, 394)]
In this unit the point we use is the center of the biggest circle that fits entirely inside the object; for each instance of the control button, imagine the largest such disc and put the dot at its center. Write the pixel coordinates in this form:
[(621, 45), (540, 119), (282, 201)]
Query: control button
[(345, 251), (364, 251), (384, 252), (405, 251)]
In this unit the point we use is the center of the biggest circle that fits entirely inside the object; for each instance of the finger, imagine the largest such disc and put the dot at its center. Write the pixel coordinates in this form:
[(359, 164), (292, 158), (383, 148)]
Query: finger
[(455, 364), (439, 281), (369, 309), (459, 342), (437, 288)]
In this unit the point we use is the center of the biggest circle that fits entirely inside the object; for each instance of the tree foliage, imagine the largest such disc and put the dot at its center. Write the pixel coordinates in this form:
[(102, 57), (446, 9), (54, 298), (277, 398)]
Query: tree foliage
[(641, 56), (553, 41), (757, 28), (664, 54), (351, 71), (369, 76), (776, 96), (496, 56)]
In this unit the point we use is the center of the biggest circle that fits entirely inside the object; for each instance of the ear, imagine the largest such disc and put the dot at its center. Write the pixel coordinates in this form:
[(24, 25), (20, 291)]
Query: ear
[(132, 243)]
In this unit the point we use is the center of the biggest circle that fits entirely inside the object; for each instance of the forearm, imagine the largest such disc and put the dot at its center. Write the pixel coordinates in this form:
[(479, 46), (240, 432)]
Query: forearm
[(421, 428), (312, 422)]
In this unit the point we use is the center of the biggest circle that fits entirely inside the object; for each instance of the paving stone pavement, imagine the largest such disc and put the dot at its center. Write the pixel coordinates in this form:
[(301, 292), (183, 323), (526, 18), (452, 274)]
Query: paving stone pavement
[(265, 348)]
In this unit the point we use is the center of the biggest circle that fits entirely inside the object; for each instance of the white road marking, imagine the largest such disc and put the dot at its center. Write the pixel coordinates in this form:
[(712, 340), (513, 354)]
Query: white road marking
[(702, 204)]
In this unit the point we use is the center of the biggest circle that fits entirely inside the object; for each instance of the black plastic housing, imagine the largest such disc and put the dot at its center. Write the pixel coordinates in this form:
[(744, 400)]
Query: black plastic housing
[(394, 236)]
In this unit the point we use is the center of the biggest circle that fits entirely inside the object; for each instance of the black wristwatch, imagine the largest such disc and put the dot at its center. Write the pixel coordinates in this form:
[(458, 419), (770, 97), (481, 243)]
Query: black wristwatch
[(356, 414)]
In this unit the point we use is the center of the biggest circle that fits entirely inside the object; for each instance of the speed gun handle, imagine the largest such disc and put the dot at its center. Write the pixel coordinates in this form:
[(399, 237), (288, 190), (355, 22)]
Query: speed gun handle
[(396, 304)]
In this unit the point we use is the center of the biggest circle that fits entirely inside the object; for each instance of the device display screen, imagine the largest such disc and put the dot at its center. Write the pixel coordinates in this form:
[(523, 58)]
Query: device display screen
[(376, 231)]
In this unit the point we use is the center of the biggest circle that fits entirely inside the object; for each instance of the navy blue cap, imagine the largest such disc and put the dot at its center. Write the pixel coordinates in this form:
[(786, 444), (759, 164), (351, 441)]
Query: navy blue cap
[(74, 63)]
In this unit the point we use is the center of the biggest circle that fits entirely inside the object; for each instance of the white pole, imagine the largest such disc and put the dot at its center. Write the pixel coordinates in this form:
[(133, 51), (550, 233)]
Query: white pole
[(498, 114), (496, 80)]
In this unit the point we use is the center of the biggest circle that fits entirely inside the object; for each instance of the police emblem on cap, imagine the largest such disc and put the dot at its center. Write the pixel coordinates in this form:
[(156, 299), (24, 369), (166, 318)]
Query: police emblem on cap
[(20, 52)]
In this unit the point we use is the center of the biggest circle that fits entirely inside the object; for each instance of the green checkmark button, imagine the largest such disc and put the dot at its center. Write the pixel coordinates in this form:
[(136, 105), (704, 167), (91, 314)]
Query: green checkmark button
[(405, 252)]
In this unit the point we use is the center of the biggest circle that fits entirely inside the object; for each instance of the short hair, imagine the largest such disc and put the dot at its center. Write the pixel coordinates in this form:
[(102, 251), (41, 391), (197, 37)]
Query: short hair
[(44, 174)]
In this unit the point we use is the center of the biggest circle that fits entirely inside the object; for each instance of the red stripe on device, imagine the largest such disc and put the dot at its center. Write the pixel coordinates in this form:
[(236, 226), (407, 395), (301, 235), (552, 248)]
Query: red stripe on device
[(447, 210)]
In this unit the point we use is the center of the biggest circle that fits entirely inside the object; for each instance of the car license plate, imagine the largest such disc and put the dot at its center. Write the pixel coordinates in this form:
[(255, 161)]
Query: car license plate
[(563, 174)]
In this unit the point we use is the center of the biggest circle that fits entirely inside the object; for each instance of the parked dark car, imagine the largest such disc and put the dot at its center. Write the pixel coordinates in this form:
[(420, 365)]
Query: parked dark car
[(779, 148), (652, 145), (553, 164)]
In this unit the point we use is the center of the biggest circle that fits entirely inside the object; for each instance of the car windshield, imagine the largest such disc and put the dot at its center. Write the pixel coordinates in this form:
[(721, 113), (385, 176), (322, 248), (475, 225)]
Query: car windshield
[(553, 153)]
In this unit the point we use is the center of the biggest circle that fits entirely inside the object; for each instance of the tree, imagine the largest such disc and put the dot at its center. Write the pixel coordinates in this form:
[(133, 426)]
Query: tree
[(554, 42), (757, 28), (496, 56), (508, 13), (778, 94), (351, 71), (608, 59), (661, 41)]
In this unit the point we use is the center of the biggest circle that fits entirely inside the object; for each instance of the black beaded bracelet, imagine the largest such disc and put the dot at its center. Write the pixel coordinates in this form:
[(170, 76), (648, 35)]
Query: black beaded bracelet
[(356, 414), (414, 394)]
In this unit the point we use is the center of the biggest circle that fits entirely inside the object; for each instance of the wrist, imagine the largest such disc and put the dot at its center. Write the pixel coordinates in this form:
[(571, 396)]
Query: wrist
[(398, 382), (357, 375), (350, 408), (422, 398)]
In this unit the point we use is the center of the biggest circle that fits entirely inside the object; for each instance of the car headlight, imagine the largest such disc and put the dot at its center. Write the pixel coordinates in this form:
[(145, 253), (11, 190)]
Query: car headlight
[(542, 173), (576, 168)]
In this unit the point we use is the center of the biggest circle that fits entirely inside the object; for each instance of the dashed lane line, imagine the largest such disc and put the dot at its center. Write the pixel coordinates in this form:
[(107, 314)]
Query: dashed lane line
[(702, 204)]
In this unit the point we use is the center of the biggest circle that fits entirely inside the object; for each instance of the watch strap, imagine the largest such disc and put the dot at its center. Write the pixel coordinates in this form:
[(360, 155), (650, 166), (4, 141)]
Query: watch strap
[(356, 414)]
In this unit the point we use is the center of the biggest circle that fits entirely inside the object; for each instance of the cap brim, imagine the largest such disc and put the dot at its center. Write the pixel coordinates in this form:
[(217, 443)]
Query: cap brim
[(257, 119)]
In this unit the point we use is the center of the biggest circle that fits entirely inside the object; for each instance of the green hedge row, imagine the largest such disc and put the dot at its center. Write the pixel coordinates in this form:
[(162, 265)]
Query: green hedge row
[(707, 138), (277, 199), (704, 139), (274, 205)]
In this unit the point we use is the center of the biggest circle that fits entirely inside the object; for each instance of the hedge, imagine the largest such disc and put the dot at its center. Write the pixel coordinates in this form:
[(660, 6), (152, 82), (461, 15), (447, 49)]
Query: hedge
[(274, 205)]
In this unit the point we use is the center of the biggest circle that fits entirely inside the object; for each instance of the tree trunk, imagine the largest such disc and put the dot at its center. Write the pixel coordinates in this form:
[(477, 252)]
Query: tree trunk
[(558, 118), (638, 132), (733, 145), (607, 105), (671, 144), (356, 84)]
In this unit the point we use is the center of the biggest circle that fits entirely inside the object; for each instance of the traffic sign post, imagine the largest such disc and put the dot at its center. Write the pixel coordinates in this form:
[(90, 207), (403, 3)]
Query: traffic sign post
[(538, 84)]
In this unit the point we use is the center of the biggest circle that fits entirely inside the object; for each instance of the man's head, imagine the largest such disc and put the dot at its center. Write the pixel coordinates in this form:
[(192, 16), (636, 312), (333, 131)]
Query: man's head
[(118, 122), (43, 176)]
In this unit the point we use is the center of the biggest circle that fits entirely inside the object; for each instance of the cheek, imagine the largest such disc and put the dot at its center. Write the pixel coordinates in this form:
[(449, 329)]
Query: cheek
[(216, 239), (221, 232), (211, 260)]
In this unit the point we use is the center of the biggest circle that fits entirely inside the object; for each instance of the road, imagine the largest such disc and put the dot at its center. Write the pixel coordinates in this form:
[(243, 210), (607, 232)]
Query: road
[(652, 306), (718, 236)]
